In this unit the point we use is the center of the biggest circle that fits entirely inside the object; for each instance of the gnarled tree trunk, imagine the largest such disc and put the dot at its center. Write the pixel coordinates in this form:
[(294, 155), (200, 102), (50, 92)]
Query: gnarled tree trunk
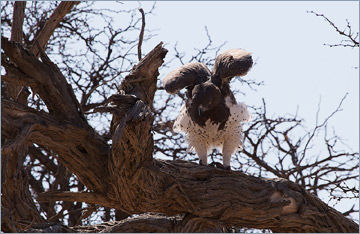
[(124, 175)]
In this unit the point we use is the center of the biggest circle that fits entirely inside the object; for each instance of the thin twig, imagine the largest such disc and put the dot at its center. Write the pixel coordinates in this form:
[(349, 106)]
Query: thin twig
[(323, 123)]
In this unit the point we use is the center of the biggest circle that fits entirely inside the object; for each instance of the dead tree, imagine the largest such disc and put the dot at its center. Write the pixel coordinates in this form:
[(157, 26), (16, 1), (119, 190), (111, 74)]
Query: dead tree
[(116, 169)]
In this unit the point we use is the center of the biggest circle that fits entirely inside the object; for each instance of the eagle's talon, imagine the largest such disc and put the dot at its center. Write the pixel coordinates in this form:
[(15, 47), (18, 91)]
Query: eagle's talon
[(213, 164), (228, 168), (220, 166), (217, 165)]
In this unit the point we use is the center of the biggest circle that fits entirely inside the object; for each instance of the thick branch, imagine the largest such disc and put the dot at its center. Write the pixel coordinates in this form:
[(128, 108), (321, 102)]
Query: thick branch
[(232, 198), (80, 149), (132, 137), (141, 82), (50, 25), (18, 20), (16, 35), (236, 199), (47, 80), (157, 223), (65, 131), (16, 201), (92, 198), (144, 223)]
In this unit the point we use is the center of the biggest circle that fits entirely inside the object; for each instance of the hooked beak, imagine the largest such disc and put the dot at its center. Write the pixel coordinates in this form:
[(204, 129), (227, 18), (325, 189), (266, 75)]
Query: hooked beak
[(200, 111)]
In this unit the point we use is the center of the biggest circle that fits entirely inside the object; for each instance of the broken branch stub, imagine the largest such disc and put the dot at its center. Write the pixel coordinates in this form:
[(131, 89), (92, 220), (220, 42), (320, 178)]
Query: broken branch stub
[(132, 137)]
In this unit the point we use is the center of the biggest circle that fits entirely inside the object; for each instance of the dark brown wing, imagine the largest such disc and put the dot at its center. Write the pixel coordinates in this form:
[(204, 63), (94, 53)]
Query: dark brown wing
[(188, 74), (234, 62)]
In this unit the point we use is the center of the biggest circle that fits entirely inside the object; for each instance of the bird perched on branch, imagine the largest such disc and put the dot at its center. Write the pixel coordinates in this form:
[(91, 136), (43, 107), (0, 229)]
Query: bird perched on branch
[(211, 117)]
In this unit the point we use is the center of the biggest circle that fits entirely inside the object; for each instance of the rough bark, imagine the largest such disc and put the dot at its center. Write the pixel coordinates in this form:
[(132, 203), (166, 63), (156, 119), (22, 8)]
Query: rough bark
[(76, 146), (232, 198), (18, 20), (17, 204), (64, 129), (129, 179), (145, 223), (132, 137), (16, 201), (16, 35)]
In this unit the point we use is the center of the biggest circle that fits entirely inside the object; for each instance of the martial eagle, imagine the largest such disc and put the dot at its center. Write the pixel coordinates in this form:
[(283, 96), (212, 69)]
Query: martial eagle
[(211, 117)]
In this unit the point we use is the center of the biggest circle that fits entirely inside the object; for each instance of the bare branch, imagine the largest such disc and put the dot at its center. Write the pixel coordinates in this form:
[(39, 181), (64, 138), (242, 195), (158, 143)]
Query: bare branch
[(141, 37), (94, 198), (322, 124), (50, 25), (347, 32)]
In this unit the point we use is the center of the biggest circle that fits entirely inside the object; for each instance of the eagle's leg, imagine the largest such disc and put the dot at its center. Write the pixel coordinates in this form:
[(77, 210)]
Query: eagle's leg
[(226, 161), (227, 150), (201, 151)]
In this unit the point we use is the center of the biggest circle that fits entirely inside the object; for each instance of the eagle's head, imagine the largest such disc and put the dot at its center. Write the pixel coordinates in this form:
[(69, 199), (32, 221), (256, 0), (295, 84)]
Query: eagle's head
[(205, 96)]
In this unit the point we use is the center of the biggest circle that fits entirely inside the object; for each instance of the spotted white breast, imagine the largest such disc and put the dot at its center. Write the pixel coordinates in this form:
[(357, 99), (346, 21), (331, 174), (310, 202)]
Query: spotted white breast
[(209, 134)]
